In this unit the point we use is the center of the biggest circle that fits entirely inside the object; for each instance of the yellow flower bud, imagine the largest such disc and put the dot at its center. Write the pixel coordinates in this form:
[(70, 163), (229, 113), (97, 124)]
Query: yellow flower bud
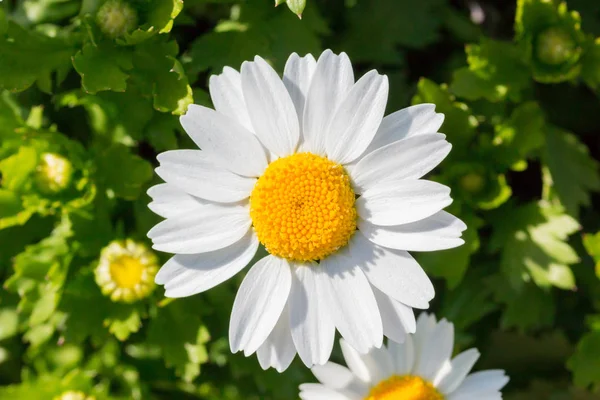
[(126, 271)]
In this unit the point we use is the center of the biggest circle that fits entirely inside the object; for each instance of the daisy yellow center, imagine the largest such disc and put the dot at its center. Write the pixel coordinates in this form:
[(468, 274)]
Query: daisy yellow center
[(302, 207), (126, 271), (405, 387)]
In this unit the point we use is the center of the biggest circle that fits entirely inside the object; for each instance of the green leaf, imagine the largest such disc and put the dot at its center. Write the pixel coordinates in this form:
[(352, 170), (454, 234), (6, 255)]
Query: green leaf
[(496, 72), (297, 6), (28, 57), (518, 137), (574, 183), (123, 172), (159, 19), (585, 362), (534, 246), (17, 168), (9, 323), (80, 296), (261, 29), (161, 76), (590, 72), (459, 123), (161, 132), (11, 210), (470, 301), (178, 331), (103, 67), (123, 320), (592, 246), (528, 309), (372, 36)]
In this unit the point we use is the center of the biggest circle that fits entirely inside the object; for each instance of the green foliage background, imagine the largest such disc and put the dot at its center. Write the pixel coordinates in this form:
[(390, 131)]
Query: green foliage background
[(520, 90)]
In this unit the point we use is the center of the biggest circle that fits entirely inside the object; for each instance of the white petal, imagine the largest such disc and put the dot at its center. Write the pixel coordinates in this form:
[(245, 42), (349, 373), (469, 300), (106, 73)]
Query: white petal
[(426, 324), (394, 272), (259, 303), (227, 97), (438, 232), (278, 350), (409, 158), (370, 368), (333, 375), (297, 75), (211, 227), (408, 122), (199, 175), (352, 304), (435, 351), (315, 391), (332, 79), (188, 274), (233, 147), (398, 319), (270, 107), (313, 329), (460, 366), (357, 118), (403, 355), (169, 201), (401, 202), (483, 383)]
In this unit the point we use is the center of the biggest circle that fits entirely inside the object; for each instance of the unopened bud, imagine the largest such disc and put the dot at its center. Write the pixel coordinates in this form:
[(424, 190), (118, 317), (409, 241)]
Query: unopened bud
[(555, 46), (116, 18), (53, 173)]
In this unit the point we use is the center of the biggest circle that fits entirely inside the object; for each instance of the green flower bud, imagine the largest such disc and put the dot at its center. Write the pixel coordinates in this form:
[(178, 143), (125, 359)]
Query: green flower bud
[(555, 46), (74, 395), (116, 18), (472, 182), (53, 173)]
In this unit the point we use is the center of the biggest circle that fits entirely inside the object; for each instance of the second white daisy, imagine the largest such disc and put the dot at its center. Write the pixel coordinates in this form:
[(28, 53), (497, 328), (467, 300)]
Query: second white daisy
[(421, 368), (308, 167)]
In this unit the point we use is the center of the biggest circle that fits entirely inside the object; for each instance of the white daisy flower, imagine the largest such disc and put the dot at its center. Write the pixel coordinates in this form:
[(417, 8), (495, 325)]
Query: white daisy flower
[(418, 369), (308, 167)]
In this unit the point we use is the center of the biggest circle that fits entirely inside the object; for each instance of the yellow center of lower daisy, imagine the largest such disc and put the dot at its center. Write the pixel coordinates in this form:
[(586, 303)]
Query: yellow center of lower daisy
[(302, 207), (126, 271), (405, 387)]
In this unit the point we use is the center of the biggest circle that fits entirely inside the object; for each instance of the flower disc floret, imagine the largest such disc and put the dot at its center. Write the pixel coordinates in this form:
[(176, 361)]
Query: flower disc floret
[(302, 207), (126, 271), (405, 387)]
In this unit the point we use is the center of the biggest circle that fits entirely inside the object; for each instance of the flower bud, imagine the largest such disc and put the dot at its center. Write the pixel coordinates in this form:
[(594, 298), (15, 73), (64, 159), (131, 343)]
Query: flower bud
[(53, 173), (116, 18), (126, 271), (74, 395), (555, 46), (472, 182)]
